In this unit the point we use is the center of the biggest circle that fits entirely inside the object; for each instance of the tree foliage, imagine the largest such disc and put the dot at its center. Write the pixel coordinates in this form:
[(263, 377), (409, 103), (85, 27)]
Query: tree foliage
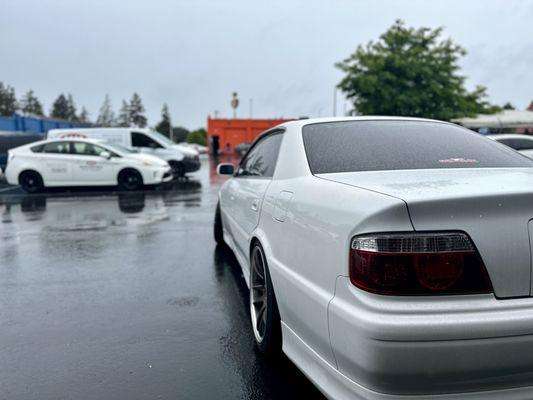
[(136, 111), (199, 136), (8, 100), (30, 104), (84, 116), (60, 108), (411, 72), (72, 114), (106, 116), (163, 126), (180, 133), (123, 118)]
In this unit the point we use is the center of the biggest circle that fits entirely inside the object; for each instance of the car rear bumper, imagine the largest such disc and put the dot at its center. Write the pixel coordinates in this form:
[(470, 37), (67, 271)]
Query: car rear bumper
[(429, 346)]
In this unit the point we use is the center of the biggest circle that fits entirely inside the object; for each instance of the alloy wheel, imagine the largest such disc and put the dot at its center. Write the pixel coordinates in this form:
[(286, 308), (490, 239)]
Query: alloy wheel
[(258, 294)]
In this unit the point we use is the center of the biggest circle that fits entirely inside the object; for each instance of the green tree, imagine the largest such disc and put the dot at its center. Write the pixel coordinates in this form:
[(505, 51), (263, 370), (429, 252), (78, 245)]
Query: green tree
[(199, 136), (30, 104), (123, 118), (72, 114), (84, 116), (508, 106), (411, 72), (106, 116), (137, 110), (163, 126), (180, 133), (60, 108), (8, 100)]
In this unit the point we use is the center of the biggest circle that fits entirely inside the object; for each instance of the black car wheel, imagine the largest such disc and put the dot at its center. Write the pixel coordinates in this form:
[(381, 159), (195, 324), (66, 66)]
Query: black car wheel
[(130, 179), (31, 181), (266, 322)]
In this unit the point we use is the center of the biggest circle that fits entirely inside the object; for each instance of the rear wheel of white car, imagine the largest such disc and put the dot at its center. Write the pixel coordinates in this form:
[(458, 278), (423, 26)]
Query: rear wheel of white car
[(217, 227), (266, 322), (31, 181), (130, 179), (178, 169)]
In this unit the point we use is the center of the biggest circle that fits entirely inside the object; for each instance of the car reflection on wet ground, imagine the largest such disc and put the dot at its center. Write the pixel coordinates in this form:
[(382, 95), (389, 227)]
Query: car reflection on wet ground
[(108, 295)]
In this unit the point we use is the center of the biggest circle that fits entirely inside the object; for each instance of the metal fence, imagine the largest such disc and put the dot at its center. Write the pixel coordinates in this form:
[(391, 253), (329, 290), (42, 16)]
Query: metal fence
[(18, 130)]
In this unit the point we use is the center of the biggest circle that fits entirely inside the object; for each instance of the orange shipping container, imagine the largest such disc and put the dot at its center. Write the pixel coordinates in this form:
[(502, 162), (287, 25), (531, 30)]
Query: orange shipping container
[(232, 132)]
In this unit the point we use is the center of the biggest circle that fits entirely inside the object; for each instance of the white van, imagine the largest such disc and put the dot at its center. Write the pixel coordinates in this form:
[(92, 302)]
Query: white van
[(180, 158)]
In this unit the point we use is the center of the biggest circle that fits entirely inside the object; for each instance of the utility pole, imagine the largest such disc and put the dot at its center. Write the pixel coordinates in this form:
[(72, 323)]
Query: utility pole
[(234, 104)]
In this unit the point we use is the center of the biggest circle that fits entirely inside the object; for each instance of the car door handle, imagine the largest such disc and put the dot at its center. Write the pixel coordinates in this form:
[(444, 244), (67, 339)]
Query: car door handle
[(255, 205)]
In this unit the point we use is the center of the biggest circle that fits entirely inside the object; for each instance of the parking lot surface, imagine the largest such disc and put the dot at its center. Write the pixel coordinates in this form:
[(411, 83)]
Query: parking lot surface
[(107, 295)]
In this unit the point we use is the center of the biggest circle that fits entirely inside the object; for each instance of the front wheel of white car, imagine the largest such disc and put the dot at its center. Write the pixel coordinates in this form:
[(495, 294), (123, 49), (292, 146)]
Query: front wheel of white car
[(266, 322), (130, 179)]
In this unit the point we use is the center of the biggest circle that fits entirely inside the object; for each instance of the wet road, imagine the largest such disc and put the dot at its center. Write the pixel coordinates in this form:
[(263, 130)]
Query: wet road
[(125, 296)]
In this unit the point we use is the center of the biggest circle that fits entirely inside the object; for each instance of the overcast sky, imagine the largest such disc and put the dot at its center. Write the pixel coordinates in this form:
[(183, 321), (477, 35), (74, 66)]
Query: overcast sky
[(194, 54)]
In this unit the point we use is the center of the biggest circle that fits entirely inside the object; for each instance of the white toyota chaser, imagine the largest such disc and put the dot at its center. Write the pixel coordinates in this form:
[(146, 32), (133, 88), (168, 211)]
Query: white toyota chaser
[(82, 162)]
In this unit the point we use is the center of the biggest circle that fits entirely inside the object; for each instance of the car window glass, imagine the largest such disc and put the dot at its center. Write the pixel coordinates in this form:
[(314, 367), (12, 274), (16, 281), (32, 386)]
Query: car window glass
[(87, 149), (522, 144), (261, 160), (350, 146), (56, 147), (139, 139)]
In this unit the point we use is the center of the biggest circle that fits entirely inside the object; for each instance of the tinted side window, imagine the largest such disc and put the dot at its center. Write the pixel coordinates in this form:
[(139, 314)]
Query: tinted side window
[(261, 161), (139, 139), (56, 147), (37, 149), (522, 144), (350, 146), (86, 149)]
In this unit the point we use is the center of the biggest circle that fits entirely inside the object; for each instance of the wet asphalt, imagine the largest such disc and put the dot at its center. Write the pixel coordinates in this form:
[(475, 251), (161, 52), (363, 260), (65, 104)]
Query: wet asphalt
[(107, 295)]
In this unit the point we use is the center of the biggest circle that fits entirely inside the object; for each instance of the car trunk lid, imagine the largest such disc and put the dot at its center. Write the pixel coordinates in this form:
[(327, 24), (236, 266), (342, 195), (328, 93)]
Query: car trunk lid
[(493, 205)]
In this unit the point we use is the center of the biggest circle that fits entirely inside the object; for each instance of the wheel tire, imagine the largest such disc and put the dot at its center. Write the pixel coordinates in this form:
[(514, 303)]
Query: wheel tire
[(31, 181), (178, 169), (130, 179), (264, 313), (218, 231)]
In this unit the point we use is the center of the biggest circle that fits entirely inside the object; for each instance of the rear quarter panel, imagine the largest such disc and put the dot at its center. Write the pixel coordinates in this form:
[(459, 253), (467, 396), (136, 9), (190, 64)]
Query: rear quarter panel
[(310, 249)]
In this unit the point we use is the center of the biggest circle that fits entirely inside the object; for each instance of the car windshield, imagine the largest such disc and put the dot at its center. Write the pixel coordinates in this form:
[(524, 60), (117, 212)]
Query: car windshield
[(118, 148), (162, 138), (350, 146)]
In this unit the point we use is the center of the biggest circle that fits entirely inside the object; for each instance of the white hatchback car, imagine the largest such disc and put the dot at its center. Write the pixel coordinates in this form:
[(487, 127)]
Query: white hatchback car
[(82, 162), (390, 258)]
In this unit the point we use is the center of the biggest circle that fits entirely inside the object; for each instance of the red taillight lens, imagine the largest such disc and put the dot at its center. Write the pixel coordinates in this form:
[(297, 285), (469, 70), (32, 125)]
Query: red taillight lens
[(417, 264)]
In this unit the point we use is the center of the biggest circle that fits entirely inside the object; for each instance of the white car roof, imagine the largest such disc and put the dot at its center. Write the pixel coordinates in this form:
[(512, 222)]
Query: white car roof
[(308, 121)]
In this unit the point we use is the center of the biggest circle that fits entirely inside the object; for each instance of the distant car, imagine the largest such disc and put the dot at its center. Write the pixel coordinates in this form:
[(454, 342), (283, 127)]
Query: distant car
[(521, 143), (182, 159), (389, 258), (82, 162), (198, 147)]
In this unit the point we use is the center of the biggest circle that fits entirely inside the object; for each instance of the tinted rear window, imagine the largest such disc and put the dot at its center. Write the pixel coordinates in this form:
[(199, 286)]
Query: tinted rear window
[(350, 146)]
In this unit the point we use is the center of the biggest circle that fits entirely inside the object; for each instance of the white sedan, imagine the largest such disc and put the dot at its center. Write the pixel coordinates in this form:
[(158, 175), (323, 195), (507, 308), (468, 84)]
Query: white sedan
[(389, 258), (82, 162)]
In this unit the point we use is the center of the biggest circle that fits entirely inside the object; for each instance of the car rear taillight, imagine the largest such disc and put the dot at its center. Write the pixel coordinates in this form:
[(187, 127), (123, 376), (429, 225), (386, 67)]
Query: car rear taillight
[(417, 264)]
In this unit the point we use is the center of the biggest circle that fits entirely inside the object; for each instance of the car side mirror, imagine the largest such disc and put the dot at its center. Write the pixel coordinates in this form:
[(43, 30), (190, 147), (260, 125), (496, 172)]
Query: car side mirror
[(105, 154), (225, 169)]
